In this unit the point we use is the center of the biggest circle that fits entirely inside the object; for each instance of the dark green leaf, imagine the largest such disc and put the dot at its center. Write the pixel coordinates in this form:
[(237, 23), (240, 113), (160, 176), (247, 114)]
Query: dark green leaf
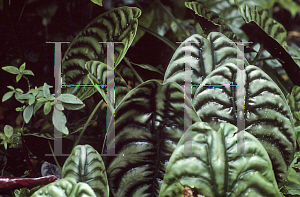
[(148, 67), (205, 163), (86, 165), (149, 123), (11, 69), (145, 20), (292, 176), (27, 113), (7, 95), (207, 54), (47, 108), (260, 28), (293, 100), (267, 115), (292, 188), (211, 21), (119, 25)]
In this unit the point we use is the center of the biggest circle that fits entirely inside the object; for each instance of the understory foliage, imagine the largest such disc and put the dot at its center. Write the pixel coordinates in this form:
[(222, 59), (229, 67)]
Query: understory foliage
[(177, 134)]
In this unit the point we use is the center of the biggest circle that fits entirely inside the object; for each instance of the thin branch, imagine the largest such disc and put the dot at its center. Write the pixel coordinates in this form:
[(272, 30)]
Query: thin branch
[(27, 82), (22, 9), (87, 123), (54, 157), (258, 54), (133, 70), (266, 58)]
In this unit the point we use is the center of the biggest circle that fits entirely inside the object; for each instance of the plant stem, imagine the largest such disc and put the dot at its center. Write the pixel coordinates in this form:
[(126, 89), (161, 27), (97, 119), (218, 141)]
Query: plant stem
[(54, 157), (258, 54), (86, 124), (165, 40), (133, 70), (27, 82), (266, 58), (29, 165)]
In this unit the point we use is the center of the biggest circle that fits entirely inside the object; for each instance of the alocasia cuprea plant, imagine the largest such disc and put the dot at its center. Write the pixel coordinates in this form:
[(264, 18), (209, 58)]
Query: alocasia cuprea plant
[(150, 128)]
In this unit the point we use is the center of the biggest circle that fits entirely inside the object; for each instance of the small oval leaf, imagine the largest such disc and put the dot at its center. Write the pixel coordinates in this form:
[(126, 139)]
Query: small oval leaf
[(73, 106), (27, 113), (31, 101), (59, 120), (11, 69), (47, 108), (59, 106), (8, 130), (22, 67), (7, 96), (46, 90), (10, 87), (18, 77), (28, 72), (69, 98), (38, 105)]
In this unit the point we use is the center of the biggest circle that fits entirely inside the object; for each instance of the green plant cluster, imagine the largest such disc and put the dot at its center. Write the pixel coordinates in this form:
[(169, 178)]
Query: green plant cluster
[(157, 154)]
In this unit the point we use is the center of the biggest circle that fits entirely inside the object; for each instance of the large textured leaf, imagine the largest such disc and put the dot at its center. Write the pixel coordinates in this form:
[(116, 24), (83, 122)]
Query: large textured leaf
[(293, 100), (66, 187), (99, 71), (149, 123), (86, 165), (210, 21), (271, 34), (267, 115), (117, 25), (260, 17), (207, 54), (212, 167)]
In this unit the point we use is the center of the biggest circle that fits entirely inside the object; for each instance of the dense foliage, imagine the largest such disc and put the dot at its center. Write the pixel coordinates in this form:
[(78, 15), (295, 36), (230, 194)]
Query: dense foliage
[(175, 134)]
